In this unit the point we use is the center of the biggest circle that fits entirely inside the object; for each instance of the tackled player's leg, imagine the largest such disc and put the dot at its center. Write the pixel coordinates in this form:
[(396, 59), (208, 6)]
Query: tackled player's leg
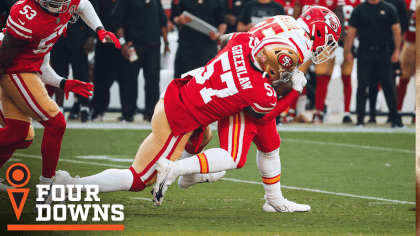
[(235, 133), (268, 162), (160, 144)]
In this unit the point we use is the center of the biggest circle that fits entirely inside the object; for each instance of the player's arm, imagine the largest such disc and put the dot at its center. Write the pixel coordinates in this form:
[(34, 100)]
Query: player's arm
[(297, 10), (224, 39), (9, 49), (348, 42), (50, 77), (255, 115), (89, 16)]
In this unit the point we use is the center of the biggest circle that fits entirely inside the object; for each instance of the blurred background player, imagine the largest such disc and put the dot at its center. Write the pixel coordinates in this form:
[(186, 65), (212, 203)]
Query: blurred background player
[(107, 69), (196, 49), (288, 5), (375, 85), (408, 56), (377, 25), (256, 11), (73, 49), (233, 11), (139, 26)]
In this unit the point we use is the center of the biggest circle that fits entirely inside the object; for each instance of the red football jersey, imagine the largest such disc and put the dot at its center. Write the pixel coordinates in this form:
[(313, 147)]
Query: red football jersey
[(410, 33), (225, 86), (348, 6), (330, 4), (28, 21), (288, 6)]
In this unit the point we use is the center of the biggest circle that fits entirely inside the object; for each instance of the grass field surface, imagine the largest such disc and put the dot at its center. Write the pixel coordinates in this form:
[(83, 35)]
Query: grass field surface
[(356, 184)]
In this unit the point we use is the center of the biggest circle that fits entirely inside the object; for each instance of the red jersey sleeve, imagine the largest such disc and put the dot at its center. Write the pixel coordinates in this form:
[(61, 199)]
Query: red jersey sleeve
[(266, 101), (19, 23)]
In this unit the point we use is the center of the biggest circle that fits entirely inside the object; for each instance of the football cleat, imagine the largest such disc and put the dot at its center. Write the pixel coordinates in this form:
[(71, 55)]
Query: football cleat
[(4, 187), (61, 178), (286, 206), (187, 181), (164, 179)]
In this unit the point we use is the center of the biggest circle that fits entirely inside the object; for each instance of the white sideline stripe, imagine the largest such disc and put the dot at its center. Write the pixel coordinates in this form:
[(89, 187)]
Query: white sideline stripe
[(322, 191), (291, 128), (72, 161), (351, 146), (237, 180), (141, 198)]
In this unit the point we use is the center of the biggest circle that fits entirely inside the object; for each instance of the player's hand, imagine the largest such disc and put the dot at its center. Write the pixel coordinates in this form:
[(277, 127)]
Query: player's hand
[(214, 35), (395, 56), (125, 50), (78, 87), (299, 81), (106, 36), (182, 20), (166, 49), (89, 44)]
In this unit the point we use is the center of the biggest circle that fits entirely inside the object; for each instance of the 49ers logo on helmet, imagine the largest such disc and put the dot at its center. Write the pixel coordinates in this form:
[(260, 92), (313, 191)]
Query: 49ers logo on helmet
[(286, 61)]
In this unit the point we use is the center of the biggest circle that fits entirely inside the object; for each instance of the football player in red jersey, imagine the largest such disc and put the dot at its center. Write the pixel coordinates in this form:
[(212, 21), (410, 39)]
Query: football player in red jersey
[(408, 56), (51, 78), (33, 27), (238, 80)]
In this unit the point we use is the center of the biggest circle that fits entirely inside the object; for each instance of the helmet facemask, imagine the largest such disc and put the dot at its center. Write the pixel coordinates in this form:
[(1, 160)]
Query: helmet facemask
[(324, 52), (55, 6)]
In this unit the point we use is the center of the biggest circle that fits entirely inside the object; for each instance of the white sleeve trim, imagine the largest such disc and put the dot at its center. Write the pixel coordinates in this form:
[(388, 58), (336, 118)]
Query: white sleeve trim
[(48, 74), (88, 14), (17, 31)]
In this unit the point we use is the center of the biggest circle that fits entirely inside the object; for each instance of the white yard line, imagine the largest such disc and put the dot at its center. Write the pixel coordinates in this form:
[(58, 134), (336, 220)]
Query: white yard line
[(234, 180), (326, 192), (142, 198), (351, 146)]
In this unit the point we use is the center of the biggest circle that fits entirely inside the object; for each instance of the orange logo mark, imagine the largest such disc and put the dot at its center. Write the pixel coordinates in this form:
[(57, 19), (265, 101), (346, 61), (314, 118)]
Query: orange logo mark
[(18, 175)]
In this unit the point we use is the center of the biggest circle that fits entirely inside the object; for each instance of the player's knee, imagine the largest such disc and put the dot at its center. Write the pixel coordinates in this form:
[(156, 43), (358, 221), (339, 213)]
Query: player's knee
[(56, 124), (207, 136), (16, 130), (272, 154)]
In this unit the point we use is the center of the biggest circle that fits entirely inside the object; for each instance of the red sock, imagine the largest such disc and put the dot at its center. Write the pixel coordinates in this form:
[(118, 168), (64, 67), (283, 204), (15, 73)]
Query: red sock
[(137, 185), (15, 131), (402, 90), (321, 91), (51, 144), (347, 89), (5, 154)]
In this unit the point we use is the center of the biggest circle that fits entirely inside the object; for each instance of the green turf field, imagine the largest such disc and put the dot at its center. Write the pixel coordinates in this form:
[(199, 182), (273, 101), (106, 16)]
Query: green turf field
[(356, 184)]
